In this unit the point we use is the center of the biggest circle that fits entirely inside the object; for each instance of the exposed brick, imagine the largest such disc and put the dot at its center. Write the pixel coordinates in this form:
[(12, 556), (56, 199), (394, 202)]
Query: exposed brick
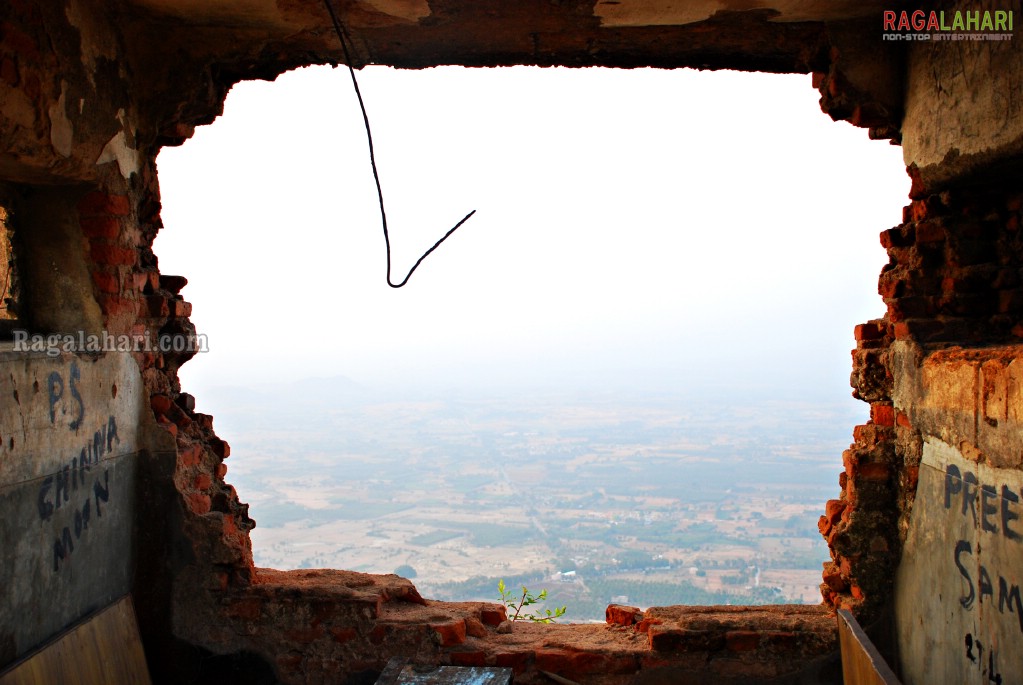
[(868, 115), (644, 625), (220, 471), (518, 661), (186, 401), (191, 455), (782, 639), (929, 232), (220, 448), (102, 203), (247, 608), (173, 284), (917, 211), (304, 635), (824, 525), (874, 472), (139, 280), (469, 658), (832, 577), (107, 282), (493, 615), (572, 663), (742, 640), (115, 306), (100, 226), (113, 255), (889, 285), (474, 627), (869, 331), (833, 510), (451, 634), (883, 414), (154, 306), (870, 434), (161, 404), (343, 635), (202, 482), (199, 503), (616, 614), (917, 329), (900, 236), (910, 307), (181, 309), (667, 639)]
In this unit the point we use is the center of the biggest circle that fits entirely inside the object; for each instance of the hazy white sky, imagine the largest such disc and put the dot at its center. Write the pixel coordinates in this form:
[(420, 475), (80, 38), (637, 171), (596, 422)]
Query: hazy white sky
[(644, 223)]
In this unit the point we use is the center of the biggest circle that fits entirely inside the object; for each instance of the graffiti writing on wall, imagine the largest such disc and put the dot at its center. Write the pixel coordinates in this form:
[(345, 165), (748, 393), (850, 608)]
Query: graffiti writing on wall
[(63, 491), (976, 652), (56, 388), (74, 497), (994, 512)]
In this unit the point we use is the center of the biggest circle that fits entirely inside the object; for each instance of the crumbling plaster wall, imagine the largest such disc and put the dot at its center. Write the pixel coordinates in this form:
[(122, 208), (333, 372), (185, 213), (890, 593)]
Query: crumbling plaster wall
[(90, 91)]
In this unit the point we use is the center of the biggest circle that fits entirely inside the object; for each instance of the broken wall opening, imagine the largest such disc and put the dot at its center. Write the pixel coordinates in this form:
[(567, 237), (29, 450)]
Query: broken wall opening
[(733, 168), (91, 91)]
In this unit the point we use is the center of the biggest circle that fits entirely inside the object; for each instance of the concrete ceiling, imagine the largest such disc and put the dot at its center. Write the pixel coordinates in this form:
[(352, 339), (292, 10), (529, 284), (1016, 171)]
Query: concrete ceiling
[(609, 13)]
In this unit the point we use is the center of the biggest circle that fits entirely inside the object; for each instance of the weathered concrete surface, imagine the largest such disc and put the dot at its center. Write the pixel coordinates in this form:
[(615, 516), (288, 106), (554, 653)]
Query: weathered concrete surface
[(959, 613), (667, 12), (958, 605), (971, 399), (964, 107), (68, 448)]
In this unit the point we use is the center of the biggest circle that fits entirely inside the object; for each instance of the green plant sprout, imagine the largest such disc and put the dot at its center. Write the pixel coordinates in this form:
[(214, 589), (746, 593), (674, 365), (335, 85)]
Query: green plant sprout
[(517, 604)]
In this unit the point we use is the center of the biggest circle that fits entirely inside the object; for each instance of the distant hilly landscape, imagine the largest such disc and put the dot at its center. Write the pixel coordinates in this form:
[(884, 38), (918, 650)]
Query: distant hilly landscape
[(639, 496)]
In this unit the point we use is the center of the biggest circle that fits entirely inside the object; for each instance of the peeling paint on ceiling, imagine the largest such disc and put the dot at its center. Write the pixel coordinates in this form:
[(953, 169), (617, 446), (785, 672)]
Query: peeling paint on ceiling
[(622, 13)]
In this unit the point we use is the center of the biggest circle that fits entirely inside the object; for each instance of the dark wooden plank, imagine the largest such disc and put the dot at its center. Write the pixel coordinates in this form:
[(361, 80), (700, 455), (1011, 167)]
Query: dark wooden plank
[(862, 664), (104, 649), (400, 672)]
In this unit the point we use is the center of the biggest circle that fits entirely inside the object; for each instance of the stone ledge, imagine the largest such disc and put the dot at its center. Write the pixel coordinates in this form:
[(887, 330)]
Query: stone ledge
[(301, 620)]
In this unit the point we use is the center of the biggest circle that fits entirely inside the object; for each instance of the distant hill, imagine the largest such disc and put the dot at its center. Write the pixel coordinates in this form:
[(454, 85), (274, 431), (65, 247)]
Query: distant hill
[(306, 392)]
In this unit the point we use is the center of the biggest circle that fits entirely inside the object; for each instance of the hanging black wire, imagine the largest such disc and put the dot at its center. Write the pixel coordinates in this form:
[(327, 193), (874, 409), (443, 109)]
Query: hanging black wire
[(345, 39)]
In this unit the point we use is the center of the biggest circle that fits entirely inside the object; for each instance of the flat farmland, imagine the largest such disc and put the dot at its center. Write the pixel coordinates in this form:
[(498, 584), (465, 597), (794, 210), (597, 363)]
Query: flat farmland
[(599, 497)]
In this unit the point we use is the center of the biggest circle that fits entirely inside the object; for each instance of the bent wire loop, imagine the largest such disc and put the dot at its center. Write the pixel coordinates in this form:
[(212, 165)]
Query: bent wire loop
[(345, 39)]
